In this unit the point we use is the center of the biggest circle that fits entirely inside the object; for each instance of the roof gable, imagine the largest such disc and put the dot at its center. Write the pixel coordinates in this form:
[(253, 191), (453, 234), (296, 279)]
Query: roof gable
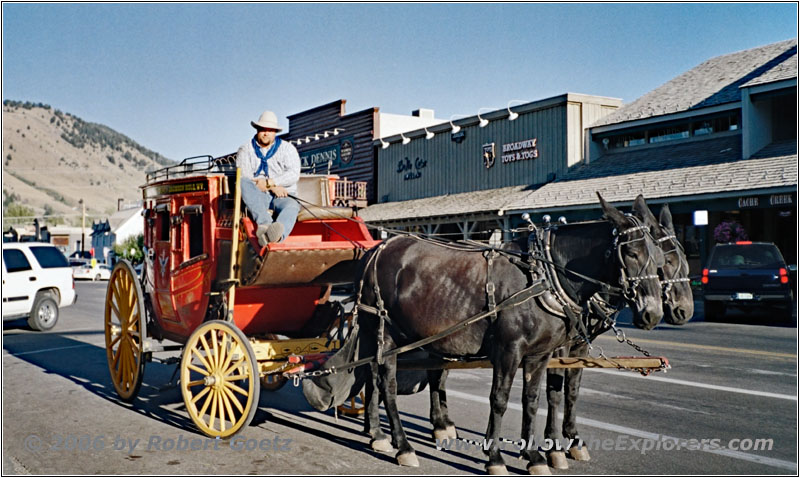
[(714, 82)]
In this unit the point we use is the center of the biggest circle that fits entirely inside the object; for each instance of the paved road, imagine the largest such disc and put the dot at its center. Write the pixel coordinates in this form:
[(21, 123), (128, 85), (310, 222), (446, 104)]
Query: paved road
[(727, 382)]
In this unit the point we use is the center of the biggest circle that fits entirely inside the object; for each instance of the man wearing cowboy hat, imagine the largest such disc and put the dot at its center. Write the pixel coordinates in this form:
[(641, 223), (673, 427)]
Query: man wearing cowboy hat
[(270, 170)]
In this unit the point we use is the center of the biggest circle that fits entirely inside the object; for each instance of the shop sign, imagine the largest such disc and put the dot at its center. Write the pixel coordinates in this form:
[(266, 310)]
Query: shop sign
[(346, 152), (520, 151), (488, 155), (320, 157), (780, 200), (411, 170), (748, 202)]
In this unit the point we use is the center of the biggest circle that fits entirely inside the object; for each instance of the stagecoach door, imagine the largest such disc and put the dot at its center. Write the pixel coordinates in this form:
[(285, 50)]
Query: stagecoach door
[(162, 262), (191, 264)]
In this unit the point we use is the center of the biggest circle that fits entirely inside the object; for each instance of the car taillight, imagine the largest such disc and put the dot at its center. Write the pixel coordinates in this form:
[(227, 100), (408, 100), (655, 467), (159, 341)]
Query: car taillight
[(784, 277), (743, 243), (704, 279)]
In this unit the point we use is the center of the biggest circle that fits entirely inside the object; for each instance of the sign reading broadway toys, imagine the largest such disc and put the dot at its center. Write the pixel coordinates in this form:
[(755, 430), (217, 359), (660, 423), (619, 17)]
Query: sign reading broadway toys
[(520, 151)]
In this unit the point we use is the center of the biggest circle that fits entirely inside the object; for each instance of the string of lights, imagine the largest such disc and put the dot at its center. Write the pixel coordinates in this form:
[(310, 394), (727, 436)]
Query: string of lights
[(454, 128)]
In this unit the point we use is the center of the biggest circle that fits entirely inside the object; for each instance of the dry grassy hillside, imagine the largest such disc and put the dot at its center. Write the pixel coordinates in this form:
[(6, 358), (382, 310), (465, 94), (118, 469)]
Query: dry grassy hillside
[(52, 160)]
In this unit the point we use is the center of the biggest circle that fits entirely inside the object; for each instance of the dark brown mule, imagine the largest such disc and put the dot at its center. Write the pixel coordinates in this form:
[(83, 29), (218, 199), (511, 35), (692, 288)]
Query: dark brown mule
[(678, 309)]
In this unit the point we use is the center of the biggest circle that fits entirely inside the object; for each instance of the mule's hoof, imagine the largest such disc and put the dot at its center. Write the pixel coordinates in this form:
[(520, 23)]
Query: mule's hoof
[(382, 445), (558, 460), (441, 435), (497, 469), (408, 459), (539, 470), (579, 453), (451, 431)]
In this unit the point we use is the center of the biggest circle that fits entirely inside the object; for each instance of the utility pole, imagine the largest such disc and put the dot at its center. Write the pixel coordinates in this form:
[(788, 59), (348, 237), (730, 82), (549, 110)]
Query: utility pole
[(83, 227)]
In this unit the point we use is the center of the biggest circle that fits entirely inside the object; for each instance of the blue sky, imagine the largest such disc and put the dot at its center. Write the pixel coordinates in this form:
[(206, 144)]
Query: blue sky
[(186, 79)]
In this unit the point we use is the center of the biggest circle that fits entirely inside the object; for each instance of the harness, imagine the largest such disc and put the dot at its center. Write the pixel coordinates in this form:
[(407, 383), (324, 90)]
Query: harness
[(589, 320)]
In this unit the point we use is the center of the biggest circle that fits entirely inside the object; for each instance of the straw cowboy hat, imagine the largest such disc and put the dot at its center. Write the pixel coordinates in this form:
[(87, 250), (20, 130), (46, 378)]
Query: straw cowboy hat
[(267, 120)]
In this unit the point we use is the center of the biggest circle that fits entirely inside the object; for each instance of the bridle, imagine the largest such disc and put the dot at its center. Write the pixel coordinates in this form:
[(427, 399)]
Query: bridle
[(666, 283), (621, 238)]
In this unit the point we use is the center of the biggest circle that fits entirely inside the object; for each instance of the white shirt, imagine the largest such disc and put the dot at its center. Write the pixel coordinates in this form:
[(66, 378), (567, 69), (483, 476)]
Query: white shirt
[(284, 165)]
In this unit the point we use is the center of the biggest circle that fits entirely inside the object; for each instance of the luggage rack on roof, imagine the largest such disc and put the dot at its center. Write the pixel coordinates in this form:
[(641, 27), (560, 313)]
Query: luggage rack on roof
[(194, 165)]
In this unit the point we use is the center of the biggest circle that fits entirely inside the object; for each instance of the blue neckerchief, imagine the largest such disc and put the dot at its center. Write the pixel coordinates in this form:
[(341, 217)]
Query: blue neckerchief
[(264, 157)]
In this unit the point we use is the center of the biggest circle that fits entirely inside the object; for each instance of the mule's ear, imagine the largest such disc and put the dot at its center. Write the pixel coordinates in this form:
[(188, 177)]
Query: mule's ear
[(642, 211), (611, 213), (665, 217)]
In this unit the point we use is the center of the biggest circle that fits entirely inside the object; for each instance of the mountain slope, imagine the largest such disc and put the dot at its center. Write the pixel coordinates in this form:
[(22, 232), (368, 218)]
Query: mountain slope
[(53, 159)]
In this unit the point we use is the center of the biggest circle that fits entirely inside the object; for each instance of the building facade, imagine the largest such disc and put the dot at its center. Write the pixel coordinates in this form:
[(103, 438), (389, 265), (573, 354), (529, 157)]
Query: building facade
[(720, 139), (331, 141)]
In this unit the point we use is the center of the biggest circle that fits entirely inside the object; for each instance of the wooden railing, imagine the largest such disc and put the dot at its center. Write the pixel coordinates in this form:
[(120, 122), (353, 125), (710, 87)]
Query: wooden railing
[(349, 193)]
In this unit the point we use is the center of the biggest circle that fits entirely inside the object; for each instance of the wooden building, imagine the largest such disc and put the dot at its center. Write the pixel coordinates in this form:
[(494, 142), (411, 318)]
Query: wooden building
[(331, 141)]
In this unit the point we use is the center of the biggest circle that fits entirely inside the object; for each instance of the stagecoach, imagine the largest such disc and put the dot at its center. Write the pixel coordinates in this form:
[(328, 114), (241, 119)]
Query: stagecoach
[(242, 316)]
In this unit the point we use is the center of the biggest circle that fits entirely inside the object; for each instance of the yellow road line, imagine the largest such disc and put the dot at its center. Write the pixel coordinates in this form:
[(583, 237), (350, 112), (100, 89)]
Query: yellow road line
[(708, 347)]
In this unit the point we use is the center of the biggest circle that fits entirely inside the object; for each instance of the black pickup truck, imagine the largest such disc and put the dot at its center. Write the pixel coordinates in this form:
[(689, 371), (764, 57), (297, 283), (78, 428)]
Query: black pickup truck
[(746, 274)]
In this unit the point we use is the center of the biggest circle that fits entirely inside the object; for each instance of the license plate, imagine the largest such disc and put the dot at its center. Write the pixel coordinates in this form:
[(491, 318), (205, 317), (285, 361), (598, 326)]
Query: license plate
[(744, 296)]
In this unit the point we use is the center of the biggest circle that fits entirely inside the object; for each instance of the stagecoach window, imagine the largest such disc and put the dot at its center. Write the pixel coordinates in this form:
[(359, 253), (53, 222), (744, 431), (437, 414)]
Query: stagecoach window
[(195, 235), (163, 226)]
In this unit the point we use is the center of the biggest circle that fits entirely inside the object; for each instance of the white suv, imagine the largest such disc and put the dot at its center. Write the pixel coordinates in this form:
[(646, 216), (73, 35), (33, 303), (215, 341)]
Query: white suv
[(37, 280)]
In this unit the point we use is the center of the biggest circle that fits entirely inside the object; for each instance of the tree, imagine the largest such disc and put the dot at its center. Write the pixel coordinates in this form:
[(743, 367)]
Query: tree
[(18, 210), (131, 249)]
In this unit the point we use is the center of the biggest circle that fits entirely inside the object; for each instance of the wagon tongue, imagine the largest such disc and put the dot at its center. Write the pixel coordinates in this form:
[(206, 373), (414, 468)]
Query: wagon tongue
[(327, 391)]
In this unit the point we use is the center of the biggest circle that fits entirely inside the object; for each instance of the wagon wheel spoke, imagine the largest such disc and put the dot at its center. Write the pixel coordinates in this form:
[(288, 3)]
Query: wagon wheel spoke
[(215, 349), (114, 340), (234, 367), (208, 353), (221, 398), (115, 310), (200, 395), (232, 398), (197, 369), (213, 414), (228, 350), (209, 399), (237, 389), (202, 359)]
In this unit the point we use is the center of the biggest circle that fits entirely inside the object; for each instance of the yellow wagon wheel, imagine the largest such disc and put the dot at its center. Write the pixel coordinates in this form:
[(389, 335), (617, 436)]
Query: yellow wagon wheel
[(352, 409), (125, 330), (219, 379)]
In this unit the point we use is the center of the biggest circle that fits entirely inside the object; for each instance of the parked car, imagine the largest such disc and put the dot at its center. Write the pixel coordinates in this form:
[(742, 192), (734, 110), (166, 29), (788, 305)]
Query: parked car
[(746, 274), (37, 281), (86, 271)]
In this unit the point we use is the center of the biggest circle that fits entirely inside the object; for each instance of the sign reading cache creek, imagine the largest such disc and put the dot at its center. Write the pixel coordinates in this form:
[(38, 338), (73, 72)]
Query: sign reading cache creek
[(520, 151)]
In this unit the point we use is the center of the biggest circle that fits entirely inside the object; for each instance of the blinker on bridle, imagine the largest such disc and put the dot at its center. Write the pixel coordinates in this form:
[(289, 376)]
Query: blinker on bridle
[(629, 284)]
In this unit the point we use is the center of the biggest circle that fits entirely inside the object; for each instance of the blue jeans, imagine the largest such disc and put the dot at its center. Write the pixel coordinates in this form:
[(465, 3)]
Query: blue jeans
[(259, 203)]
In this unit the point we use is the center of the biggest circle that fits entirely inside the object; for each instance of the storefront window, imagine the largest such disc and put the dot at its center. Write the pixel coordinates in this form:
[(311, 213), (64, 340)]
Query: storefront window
[(669, 134), (627, 140)]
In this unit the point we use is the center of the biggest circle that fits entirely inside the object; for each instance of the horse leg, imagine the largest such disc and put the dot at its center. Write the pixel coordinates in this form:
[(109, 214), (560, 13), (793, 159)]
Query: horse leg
[(577, 449), (388, 381), (372, 421), (443, 427), (533, 370), (504, 368), (555, 390)]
